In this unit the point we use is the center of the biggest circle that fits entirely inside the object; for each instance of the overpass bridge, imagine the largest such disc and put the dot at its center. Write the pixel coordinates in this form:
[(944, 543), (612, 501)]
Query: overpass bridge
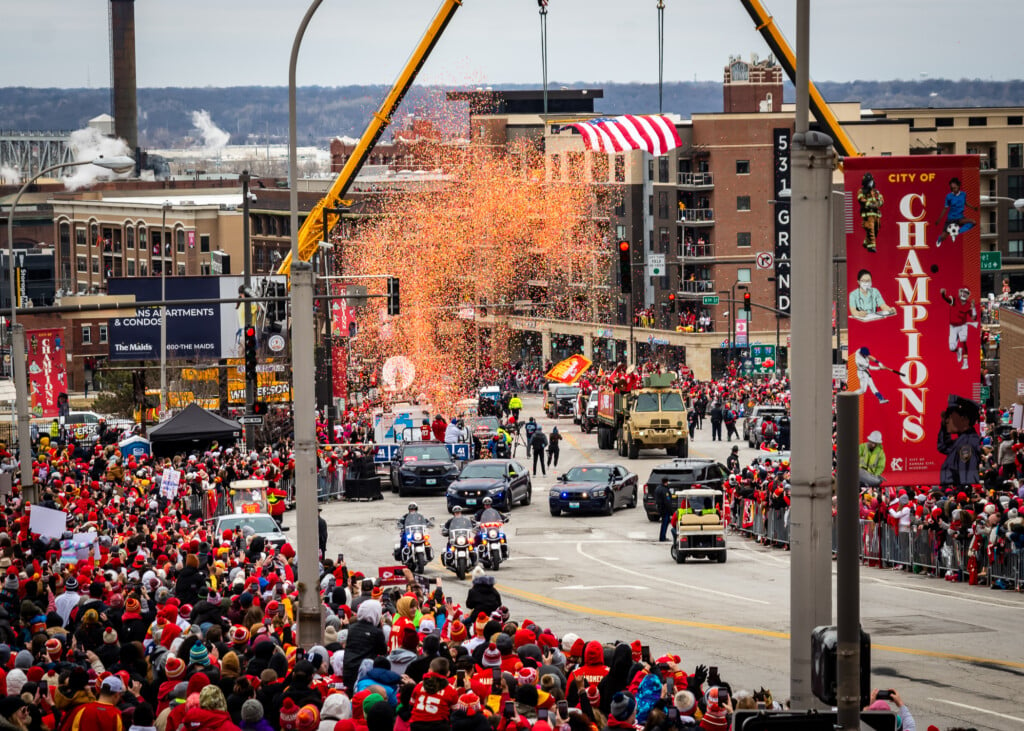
[(699, 346)]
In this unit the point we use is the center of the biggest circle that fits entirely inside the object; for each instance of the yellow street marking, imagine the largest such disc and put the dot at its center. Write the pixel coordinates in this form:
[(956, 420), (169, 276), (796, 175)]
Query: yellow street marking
[(752, 631)]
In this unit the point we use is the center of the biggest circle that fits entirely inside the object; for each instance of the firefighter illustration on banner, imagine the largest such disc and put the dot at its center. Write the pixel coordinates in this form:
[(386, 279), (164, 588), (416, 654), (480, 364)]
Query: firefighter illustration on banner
[(912, 281)]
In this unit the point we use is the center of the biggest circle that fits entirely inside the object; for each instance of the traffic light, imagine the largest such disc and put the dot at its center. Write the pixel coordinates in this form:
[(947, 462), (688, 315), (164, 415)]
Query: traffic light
[(625, 267), (259, 408), (672, 302), (746, 303), (250, 353), (393, 304)]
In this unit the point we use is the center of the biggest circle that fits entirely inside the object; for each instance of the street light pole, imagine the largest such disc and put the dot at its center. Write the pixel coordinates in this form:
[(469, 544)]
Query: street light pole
[(250, 379), (310, 617), (163, 308), (543, 7), (661, 51), (119, 164)]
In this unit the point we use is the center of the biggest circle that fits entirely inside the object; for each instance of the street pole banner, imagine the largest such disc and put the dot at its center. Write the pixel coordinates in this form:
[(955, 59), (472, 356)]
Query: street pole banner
[(47, 371), (913, 247)]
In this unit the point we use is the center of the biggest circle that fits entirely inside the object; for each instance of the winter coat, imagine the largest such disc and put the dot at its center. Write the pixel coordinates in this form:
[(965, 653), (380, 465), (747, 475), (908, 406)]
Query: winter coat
[(364, 641), (186, 588), (202, 719), (482, 597)]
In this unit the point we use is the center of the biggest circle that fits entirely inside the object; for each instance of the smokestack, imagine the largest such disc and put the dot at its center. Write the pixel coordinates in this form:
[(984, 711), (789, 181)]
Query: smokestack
[(122, 72)]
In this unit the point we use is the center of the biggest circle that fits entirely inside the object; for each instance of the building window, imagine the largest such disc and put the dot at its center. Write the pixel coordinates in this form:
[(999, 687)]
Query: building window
[(143, 269), (1016, 221), (977, 121), (650, 170), (1015, 155), (663, 238), (103, 334), (743, 275), (620, 168), (599, 167), (86, 335), (743, 238), (80, 239), (1015, 121), (556, 167), (129, 237), (204, 270), (131, 267), (575, 162), (95, 265), (1015, 247), (620, 232), (650, 205), (83, 263), (743, 203), (663, 169), (620, 206), (204, 243), (181, 270), (743, 167), (943, 121), (94, 234), (1015, 186), (143, 241), (179, 235), (662, 205)]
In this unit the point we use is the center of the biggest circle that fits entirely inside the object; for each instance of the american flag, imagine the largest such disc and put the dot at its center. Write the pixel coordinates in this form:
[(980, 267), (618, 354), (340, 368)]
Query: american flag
[(654, 133)]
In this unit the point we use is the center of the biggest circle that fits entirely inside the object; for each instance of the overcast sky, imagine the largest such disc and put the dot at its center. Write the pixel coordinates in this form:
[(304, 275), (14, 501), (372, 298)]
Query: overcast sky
[(64, 43)]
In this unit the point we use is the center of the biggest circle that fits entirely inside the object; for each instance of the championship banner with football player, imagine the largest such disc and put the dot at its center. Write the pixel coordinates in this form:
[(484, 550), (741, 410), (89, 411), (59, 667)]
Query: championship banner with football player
[(569, 370), (47, 371), (913, 276)]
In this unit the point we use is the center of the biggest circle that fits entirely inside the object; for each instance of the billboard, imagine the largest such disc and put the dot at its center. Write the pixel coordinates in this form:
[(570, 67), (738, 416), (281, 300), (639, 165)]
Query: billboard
[(195, 330), (47, 371), (781, 229), (913, 277), (273, 381)]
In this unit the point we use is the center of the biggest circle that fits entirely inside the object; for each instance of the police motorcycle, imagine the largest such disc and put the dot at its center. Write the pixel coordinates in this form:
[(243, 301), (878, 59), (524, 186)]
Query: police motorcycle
[(460, 554), (414, 548), (491, 543)]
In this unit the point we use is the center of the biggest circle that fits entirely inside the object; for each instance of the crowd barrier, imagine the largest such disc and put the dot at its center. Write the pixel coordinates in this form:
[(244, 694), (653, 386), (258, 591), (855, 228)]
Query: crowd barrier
[(919, 550)]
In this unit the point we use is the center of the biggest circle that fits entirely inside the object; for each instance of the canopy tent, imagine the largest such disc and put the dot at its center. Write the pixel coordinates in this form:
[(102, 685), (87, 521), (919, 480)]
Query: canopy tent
[(193, 427)]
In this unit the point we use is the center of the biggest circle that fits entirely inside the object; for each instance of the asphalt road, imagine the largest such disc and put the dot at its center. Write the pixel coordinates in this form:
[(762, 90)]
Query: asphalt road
[(951, 650)]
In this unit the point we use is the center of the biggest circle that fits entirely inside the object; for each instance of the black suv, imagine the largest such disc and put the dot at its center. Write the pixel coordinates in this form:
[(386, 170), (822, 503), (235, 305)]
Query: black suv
[(423, 467), (682, 474)]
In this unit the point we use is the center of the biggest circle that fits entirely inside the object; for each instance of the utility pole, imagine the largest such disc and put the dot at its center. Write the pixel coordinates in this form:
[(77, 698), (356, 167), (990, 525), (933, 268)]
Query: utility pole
[(848, 660), (661, 51), (250, 378), (543, 7), (810, 583)]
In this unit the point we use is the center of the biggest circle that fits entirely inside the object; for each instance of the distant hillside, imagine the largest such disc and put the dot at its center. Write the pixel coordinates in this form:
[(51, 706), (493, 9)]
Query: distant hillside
[(262, 112)]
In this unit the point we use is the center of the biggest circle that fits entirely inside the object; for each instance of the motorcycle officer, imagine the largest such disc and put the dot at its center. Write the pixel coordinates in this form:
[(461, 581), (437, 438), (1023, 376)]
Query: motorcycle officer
[(458, 520), (487, 514), (404, 521)]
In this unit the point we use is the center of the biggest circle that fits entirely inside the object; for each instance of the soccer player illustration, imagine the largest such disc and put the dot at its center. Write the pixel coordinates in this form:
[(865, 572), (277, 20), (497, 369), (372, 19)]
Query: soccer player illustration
[(962, 314), (870, 210), (956, 202)]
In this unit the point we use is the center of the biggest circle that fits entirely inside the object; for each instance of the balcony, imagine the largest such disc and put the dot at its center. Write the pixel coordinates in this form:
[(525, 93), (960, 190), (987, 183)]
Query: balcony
[(692, 288), (697, 251), (696, 181), (697, 217)]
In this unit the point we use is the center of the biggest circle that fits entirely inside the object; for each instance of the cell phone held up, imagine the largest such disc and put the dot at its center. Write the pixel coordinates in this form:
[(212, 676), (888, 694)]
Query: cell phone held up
[(510, 710), (884, 695)]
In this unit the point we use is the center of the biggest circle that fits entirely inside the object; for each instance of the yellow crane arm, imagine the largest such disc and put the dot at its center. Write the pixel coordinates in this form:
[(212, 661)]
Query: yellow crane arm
[(312, 231), (787, 59)]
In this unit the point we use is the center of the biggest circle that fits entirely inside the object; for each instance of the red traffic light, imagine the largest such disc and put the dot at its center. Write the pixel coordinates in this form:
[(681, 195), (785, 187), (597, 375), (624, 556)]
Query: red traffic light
[(672, 297), (623, 246), (250, 332)]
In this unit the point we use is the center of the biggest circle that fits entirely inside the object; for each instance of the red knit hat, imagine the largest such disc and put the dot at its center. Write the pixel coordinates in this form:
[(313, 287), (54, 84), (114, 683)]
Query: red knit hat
[(53, 648), (458, 631), (491, 657), (480, 623), (523, 637), (289, 715), (239, 635), (637, 650), (174, 668)]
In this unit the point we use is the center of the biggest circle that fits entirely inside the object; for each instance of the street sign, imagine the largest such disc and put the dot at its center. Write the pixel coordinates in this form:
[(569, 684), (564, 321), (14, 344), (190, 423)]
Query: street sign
[(709, 299), (741, 333), (276, 343), (986, 391), (250, 419), (656, 264), (991, 261), (765, 260)]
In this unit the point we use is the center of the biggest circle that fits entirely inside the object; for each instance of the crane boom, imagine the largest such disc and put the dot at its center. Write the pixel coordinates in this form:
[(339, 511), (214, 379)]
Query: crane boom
[(311, 232), (787, 59)]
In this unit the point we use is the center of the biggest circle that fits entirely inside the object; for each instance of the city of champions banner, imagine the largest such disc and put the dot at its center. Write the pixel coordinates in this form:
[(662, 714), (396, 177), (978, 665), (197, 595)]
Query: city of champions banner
[(913, 246), (47, 371)]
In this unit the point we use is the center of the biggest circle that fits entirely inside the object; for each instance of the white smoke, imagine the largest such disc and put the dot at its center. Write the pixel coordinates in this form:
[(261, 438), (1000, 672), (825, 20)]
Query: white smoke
[(214, 138), (88, 144), (9, 176)]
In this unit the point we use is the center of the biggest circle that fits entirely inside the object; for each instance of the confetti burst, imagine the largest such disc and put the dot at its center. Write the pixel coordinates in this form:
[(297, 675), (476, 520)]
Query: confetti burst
[(476, 238)]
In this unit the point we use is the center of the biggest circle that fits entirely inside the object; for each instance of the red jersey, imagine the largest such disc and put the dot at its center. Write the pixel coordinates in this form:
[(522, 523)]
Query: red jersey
[(481, 682), (961, 313), (593, 674), (432, 707)]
